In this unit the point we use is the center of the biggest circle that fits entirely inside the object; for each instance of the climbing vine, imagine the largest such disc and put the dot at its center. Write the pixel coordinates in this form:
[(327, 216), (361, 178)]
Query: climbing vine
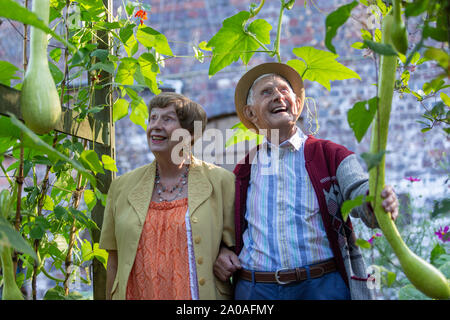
[(46, 211)]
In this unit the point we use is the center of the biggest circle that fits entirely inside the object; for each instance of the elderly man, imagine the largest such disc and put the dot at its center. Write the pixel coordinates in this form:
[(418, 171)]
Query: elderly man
[(291, 240)]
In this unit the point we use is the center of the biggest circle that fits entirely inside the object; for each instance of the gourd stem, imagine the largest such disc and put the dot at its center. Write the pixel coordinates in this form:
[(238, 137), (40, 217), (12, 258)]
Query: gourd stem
[(277, 40), (397, 10), (39, 41)]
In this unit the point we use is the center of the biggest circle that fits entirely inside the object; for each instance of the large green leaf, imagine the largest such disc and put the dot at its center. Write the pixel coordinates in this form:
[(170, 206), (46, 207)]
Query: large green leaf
[(232, 41), (320, 66), (94, 9), (384, 49), (120, 109), (241, 134), (90, 160), (151, 38), (126, 70), (139, 113), (359, 117), (334, 20), (149, 69), (109, 163), (10, 237), (348, 205), (36, 143), (7, 72), (12, 10)]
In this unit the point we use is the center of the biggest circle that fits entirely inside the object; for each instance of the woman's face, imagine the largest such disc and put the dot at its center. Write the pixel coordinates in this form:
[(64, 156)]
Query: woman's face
[(163, 123)]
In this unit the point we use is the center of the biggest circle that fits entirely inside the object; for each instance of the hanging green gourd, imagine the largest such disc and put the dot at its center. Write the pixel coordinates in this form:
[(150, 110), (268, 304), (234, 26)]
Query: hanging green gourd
[(10, 289), (422, 275), (39, 100)]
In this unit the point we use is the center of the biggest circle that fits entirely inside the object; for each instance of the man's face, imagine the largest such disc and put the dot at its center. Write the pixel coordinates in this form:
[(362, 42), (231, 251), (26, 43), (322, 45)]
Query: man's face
[(275, 105)]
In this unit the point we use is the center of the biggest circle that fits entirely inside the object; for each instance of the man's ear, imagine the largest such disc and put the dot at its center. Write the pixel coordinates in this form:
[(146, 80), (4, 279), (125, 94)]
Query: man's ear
[(300, 104), (249, 114)]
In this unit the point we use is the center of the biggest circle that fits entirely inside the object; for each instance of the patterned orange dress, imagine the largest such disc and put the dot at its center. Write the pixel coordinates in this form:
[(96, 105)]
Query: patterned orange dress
[(161, 266)]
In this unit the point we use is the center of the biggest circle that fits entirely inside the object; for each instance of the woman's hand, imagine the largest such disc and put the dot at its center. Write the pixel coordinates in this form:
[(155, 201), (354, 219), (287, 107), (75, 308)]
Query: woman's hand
[(226, 264)]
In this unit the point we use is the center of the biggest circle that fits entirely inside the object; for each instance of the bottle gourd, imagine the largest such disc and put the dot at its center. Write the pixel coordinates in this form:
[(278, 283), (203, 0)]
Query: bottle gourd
[(39, 100), (422, 275), (10, 289)]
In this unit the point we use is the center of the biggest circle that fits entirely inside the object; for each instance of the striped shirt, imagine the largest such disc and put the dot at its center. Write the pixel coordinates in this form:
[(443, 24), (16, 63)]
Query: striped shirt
[(285, 228)]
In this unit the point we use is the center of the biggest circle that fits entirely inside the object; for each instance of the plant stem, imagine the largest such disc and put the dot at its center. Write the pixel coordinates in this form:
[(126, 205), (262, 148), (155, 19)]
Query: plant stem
[(37, 242), (277, 40), (76, 197), (256, 11), (11, 183), (25, 43)]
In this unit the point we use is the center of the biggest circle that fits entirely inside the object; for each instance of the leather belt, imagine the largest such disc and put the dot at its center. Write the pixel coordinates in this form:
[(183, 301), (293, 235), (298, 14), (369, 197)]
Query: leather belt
[(285, 276)]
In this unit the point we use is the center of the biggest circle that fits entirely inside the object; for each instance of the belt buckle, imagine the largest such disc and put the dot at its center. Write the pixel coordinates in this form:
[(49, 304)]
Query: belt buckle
[(277, 276), (322, 269)]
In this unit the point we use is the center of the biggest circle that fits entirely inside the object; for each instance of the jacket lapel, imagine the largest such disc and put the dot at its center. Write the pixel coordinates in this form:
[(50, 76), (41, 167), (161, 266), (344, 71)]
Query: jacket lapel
[(199, 187), (140, 196)]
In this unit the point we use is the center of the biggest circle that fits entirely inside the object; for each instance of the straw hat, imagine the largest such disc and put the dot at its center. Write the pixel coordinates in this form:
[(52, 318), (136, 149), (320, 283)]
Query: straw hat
[(245, 83)]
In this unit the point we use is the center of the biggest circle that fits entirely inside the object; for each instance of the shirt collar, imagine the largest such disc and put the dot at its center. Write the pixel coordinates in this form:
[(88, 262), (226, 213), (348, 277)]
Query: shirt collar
[(296, 140)]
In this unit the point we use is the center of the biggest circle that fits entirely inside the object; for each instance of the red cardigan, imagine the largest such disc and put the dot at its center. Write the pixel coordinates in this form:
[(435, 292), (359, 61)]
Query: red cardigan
[(322, 158)]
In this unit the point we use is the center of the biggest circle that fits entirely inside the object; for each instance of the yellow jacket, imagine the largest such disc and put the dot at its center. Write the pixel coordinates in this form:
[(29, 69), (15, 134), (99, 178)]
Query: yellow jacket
[(211, 209)]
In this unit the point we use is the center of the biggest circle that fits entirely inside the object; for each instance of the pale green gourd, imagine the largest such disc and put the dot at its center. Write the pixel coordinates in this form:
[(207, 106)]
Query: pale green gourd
[(39, 101), (422, 275), (10, 289), (399, 35)]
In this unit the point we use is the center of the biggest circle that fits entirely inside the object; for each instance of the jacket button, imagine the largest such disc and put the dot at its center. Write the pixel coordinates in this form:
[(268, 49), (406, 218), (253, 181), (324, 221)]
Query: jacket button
[(197, 240), (201, 281), (194, 219), (200, 260)]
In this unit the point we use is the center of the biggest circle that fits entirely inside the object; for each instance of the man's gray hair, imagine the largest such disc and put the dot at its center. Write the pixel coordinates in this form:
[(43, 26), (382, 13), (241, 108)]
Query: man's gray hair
[(250, 99)]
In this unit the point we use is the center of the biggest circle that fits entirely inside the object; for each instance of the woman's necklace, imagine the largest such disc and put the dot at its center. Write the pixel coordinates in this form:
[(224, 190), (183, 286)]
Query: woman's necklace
[(160, 188)]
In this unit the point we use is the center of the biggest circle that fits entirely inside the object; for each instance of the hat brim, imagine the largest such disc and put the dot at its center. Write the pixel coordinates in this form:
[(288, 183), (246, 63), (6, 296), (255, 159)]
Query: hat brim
[(246, 81)]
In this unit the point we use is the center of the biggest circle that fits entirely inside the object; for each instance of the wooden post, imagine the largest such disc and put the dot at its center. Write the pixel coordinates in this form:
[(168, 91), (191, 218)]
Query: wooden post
[(103, 96)]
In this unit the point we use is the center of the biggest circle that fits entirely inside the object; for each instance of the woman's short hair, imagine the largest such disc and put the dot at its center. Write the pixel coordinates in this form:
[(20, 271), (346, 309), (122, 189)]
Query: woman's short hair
[(188, 111)]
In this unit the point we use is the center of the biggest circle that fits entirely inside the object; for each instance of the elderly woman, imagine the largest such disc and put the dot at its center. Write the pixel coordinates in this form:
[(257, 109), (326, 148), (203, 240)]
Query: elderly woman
[(166, 221)]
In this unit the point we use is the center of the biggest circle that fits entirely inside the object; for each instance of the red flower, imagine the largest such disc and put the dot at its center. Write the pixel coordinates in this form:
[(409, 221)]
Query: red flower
[(142, 14), (412, 179)]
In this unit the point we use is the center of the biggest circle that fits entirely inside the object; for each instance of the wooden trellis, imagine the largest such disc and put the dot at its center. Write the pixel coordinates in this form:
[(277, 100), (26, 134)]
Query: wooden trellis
[(98, 129)]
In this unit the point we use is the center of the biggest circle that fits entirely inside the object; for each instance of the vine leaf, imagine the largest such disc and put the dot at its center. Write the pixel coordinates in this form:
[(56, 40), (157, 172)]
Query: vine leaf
[(90, 160), (10, 237), (232, 41), (151, 38), (373, 159), (334, 20), (120, 109), (109, 163), (7, 72), (348, 205), (36, 143), (363, 244), (149, 69), (126, 70), (241, 134), (139, 112), (359, 117), (320, 66), (384, 49)]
